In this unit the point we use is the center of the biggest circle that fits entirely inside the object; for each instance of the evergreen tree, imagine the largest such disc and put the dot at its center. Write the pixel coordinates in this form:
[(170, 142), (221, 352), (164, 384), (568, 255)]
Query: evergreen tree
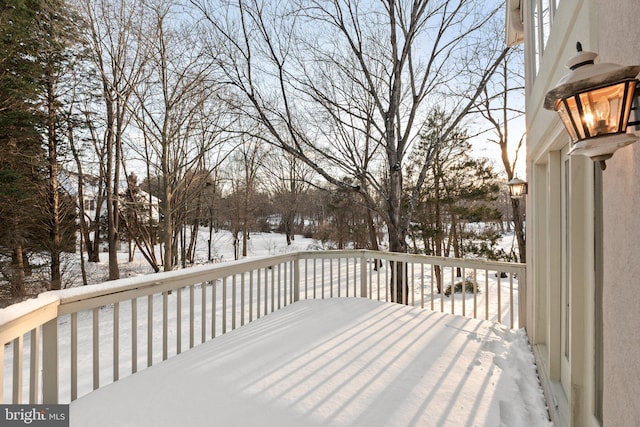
[(21, 155), (462, 190), (57, 53)]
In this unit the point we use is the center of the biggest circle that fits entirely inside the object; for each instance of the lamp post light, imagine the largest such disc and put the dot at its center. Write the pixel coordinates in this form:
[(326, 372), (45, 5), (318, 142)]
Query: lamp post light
[(517, 188), (594, 102)]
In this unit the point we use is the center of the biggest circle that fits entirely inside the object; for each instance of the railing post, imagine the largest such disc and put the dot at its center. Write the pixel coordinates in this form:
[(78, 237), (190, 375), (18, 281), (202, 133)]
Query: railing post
[(363, 275), (17, 369), (296, 278), (50, 362), (34, 367), (522, 298)]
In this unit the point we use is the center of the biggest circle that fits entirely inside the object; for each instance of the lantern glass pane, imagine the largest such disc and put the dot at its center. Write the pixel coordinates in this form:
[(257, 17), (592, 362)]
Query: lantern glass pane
[(517, 190), (566, 120), (574, 119), (602, 109), (627, 107)]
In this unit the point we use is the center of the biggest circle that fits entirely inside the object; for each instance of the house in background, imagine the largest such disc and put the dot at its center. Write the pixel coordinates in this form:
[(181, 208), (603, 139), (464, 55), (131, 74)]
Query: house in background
[(147, 205), (583, 231)]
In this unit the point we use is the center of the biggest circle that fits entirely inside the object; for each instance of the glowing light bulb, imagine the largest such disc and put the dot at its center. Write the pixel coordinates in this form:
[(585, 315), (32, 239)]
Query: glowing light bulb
[(600, 119)]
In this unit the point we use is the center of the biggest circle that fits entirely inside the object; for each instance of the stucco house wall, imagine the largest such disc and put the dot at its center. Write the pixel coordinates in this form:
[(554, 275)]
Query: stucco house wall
[(619, 42), (580, 230)]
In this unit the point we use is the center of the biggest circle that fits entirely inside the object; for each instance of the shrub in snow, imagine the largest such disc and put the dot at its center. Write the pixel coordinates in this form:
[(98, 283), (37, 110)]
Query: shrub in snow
[(469, 286)]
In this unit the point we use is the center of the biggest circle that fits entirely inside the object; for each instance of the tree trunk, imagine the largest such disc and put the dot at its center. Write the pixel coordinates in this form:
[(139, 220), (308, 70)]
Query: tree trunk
[(18, 275), (93, 255), (183, 245), (85, 240), (236, 244), (438, 272), (193, 239), (246, 207), (131, 248), (111, 186), (83, 268), (288, 236), (373, 238), (114, 234), (167, 236), (55, 238), (371, 228), (167, 210), (209, 254), (245, 233), (439, 232), (399, 282), (398, 288), (288, 227), (112, 237), (456, 243), (518, 225)]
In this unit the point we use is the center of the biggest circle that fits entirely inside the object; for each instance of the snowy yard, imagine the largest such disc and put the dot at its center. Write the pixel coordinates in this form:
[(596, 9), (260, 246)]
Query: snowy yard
[(338, 362)]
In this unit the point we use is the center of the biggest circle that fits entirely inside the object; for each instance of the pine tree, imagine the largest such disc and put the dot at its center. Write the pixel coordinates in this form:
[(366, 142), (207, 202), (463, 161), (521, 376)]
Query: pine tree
[(57, 54), (21, 155), (462, 190)]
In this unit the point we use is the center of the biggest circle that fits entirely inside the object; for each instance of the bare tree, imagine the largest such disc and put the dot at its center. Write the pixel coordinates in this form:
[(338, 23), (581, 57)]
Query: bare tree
[(138, 216), (113, 30), (499, 105), (247, 162), (288, 178), (351, 126), (172, 104), (405, 55), (82, 216)]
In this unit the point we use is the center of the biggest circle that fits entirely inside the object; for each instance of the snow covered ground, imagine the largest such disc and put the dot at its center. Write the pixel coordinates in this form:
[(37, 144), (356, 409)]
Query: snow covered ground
[(260, 244), (337, 362)]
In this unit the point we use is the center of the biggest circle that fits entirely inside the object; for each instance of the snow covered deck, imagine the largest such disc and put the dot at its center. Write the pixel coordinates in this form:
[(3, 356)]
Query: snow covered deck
[(335, 362)]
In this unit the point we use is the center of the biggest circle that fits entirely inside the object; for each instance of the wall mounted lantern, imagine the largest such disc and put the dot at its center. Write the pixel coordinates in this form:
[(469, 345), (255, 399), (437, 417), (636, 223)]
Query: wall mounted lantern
[(594, 102), (517, 188)]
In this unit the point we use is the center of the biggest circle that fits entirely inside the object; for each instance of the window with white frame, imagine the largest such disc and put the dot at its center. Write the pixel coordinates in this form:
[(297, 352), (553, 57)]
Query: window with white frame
[(541, 16)]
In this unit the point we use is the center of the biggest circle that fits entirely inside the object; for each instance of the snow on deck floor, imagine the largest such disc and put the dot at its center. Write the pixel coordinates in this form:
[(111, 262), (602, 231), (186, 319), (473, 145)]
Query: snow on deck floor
[(337, 362)]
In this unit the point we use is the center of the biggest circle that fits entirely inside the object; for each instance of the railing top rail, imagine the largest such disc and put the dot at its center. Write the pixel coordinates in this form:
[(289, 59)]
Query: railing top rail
[(22, 317), (123, 289), (507, 267)]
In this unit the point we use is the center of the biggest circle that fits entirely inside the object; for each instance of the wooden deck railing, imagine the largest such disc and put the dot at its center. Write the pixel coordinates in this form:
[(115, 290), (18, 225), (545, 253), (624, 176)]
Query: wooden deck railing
[(64, 344)]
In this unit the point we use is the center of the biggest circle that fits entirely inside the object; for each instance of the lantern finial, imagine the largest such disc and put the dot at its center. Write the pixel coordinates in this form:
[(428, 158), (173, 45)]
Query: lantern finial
[(582, 58)]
